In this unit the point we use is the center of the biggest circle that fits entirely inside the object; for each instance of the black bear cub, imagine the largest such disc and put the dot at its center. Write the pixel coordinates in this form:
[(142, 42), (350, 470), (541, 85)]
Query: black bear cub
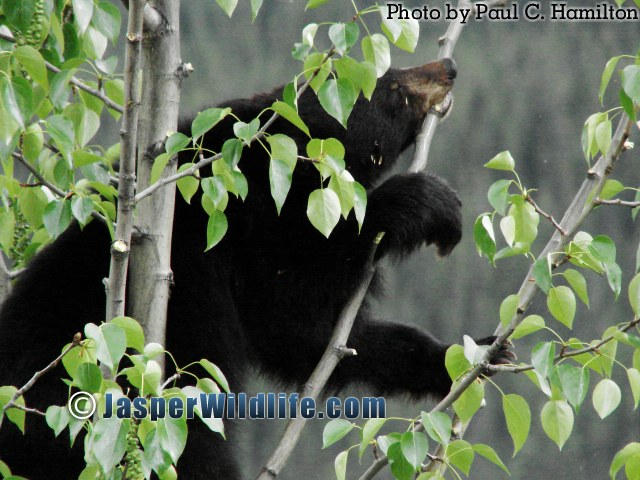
[(268, 295)]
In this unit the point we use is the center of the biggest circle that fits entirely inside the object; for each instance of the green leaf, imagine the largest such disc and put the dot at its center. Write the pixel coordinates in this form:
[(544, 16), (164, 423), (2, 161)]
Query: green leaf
[(606, 397), (213, 188), (32, 142), (215, 372), (470, 401), (403, 33), (14, 415), (359, 203), (414, 446), (455, 361), (631, 82), (77, 356), (335, 430), (337, 97), (342, 185), (176, 142), (502, 161), (133, 332), (529, 325), (288, 113), (606, 76), (562, 305), (400, 468), (228, 6), (315, 4), (83, 11), (631, 450), (106, 18), (542, 357), (17, 97), (88, 377), (111, 342), (557, 421), (57, 418), (7, 229), (255, 7), (634, 294), (614, 277), (216, 228), (362, 75), (340, 465), (61, 130), (603, 136), (578, 283), (173, 436), (32, 202), (344, 36), (438, 426), (246, 131), (611, 189), (508, 229), (369, 431), (526, 219), (508, 309), (323, 210), (518, 417), (188, 185), (82, 158), (280, 176), (634, 381), (490, 454), (498, 195), (33, 63), (603, 249), (110, 441), (57, 217), (19, 14), (206, 120), (460, 454), (159, 164), (484, 236), (575, 383), (214, 424), (627, 104), (375, 49), (82, 208)]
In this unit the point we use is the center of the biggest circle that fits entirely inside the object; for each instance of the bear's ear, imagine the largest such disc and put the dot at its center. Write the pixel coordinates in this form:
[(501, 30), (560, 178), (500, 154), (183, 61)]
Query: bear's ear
[(428, 84)]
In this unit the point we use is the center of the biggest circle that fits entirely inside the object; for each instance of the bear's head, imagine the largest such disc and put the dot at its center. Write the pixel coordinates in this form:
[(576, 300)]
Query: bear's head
[(380, 129)]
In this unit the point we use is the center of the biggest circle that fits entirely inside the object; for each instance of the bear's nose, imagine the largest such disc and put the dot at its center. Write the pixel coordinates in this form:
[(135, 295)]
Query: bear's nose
[(450, 67)]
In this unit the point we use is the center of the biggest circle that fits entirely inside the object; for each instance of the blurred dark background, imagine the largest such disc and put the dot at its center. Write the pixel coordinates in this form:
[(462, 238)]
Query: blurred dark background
[(524, 87)]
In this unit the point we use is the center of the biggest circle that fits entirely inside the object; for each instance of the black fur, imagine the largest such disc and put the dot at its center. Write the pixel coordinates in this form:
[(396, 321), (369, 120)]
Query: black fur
[(268, 295)]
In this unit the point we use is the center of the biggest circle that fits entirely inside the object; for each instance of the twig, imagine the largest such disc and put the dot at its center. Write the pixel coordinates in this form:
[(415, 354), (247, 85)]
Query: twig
[(447, 44), (545, 215), (565, 354), (189, 172), (57, 191), (172, 378), (335, 351), (75, 82), (28, 410), (617, 201), (116, 285), (77, 340)]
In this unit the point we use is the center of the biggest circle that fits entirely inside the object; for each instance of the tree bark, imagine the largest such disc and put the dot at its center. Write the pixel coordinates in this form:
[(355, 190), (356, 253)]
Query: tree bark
[(150, 273)]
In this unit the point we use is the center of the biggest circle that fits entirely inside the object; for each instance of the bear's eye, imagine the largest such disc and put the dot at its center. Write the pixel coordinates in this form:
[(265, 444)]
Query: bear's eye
[(395, 86)]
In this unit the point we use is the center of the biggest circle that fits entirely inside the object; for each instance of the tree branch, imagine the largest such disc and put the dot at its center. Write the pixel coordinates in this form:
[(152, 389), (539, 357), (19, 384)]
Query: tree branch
[(77, 340), (335, 351), (46, 183), (545, 215), (116, 285), (617, 201), (565, 354)]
